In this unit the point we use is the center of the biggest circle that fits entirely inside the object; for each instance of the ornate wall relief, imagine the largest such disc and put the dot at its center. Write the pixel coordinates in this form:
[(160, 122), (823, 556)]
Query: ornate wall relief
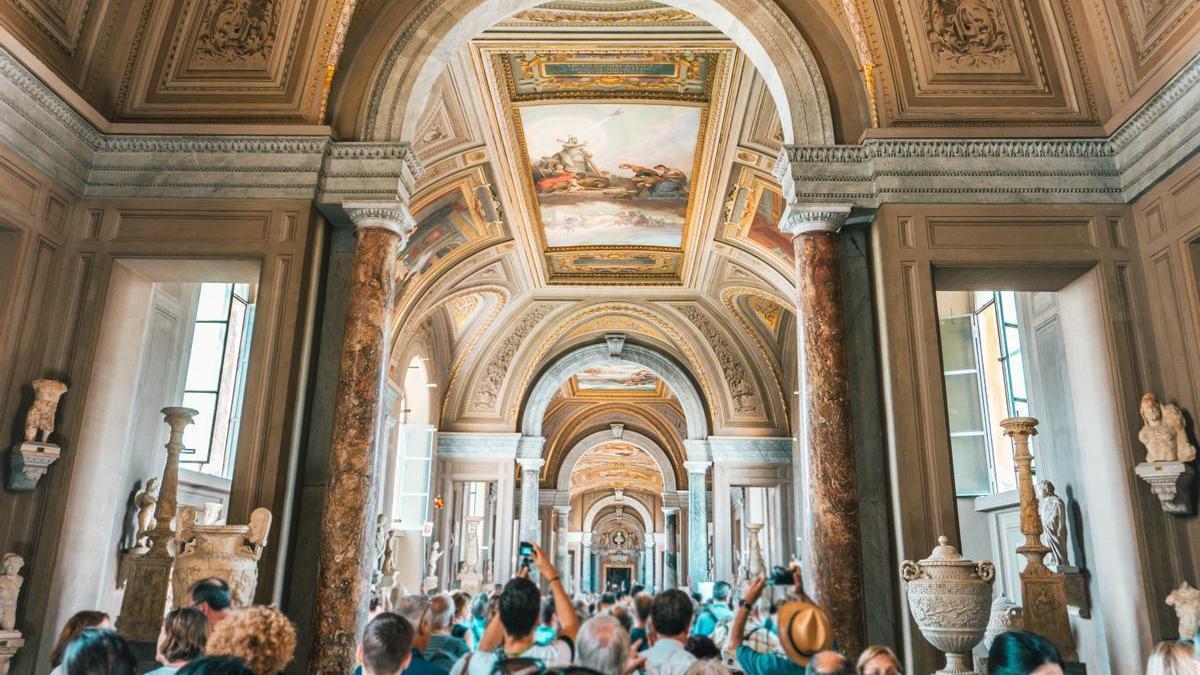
[(497, 367), (234, 32), (738, 381), (968, 33)]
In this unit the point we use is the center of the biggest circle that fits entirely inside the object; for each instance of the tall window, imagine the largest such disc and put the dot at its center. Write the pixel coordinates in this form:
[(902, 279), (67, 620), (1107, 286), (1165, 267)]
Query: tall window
[(414, 451), (216, 376), (984, 372)]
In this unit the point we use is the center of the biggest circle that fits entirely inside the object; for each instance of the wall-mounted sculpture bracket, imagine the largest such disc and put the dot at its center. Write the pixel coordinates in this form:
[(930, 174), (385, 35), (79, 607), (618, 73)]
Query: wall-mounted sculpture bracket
[(29, 462), (1171, 482)]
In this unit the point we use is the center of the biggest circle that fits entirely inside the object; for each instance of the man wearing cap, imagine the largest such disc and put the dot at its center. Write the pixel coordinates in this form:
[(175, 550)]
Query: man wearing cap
[(804, 630)]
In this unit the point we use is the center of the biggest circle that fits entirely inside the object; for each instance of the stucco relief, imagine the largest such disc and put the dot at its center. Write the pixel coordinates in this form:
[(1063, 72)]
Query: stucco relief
[(237, 31), (968, 32), (741, 389), (497, 367)]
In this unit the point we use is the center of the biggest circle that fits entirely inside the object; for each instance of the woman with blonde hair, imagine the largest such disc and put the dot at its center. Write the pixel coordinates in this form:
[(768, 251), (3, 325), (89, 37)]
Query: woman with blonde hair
[(1173, 657), (878, 660), (262, 637)]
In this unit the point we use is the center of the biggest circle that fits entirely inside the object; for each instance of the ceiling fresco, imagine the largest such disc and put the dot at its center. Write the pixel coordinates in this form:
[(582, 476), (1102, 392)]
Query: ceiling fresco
[(616, 465), (618, 376), (754, 210), (609, 150)]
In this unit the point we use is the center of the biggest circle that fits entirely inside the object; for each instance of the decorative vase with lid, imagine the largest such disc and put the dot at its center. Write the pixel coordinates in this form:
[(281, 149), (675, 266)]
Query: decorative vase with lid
[(950, 599)]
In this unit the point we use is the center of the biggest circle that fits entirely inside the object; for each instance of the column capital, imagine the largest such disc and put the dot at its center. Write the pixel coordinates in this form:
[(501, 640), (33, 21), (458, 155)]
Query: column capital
[(563, 510), (694, 466), (530, 447), (392, 216), (670, 510), (531, 463), (802, 218)]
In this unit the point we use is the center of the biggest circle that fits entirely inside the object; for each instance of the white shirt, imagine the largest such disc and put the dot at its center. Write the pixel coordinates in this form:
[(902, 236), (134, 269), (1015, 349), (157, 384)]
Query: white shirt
[(667, 657), (558, 653)]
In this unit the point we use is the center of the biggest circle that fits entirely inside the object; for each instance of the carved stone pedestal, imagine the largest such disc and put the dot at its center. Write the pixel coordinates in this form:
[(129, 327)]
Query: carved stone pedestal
[(147, 578), (29, 462), (229, 552), (1171, 482), (10, 642)]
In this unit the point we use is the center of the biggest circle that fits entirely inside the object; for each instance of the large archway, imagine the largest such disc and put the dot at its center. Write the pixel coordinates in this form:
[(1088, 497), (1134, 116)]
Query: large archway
[(565, 366), (419, 52), (634, 438)]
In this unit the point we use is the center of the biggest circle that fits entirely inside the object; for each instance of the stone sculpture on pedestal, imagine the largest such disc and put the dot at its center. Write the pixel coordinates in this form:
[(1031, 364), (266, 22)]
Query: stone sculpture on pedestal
[(1053, 512), (11, 581), (144, 502), (32, 458), (1168, 451), (1043, 592), (431, 577), (949, 598), (147, 573), (229, 552), (1186, 601), (469, 578)]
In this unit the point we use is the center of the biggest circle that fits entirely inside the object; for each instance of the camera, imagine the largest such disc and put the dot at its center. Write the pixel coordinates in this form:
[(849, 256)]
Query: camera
[(525, 551), (781, 576)]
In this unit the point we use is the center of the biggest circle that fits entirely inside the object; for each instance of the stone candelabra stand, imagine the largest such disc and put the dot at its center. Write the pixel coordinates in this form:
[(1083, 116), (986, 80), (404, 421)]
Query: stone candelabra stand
[(468, 577), (229, 552), (11, 581), (148, 573), (757, 564), (950, 599), (1043, 592)]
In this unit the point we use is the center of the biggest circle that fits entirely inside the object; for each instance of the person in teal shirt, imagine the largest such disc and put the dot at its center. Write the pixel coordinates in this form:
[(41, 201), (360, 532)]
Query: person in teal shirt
[(716, 612), (805, 633)]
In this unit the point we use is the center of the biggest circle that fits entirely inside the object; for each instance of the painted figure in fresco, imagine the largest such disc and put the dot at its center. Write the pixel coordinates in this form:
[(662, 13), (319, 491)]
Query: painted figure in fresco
[(658, 182), (576, 158)]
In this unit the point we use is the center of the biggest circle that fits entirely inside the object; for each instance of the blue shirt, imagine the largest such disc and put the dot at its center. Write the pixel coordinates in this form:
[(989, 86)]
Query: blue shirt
[(419, 666), (163, 670), (711, 616), (754, 663)]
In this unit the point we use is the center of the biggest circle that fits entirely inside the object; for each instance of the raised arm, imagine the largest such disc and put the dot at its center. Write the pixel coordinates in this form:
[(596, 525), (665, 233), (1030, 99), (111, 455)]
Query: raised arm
[(737, 628), (568, 620)]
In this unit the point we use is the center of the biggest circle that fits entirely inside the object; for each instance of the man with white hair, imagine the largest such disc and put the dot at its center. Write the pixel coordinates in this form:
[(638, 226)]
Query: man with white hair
[(444, 649), (415, 608), (602, 645)]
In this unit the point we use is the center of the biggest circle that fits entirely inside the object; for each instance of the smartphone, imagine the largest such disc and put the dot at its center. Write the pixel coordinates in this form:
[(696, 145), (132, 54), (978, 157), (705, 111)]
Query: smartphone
[(525, 549), (781, 576)]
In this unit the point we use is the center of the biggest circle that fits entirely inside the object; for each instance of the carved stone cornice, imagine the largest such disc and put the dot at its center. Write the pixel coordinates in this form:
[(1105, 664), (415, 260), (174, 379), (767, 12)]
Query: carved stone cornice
[(467, 445), (750, 450)]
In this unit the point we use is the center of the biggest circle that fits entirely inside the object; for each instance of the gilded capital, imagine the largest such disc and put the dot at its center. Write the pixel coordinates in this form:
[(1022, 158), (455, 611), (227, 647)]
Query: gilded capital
[(800, 218)]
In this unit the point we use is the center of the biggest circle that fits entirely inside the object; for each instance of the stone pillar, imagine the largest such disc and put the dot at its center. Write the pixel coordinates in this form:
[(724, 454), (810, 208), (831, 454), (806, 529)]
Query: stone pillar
[(670, 574), (562, 557), (1043, 593), (344, 566), (649, 582), (531, 473), (587, 563), (697, 521), (833, 549)]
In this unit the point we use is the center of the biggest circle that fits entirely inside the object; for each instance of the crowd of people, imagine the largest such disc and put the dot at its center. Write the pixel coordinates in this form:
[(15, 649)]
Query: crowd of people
[(513, 630)]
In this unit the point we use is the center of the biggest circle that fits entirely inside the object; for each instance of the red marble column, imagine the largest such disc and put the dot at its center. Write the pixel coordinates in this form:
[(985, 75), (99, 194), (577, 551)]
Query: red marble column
[(833, 547), (348, 519)]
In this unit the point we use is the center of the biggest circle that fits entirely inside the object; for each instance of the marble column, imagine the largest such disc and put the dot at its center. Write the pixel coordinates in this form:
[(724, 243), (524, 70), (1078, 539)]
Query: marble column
[(670, 574), (563, 557), (587, 562), (697, 521), (649, 582), (531, 473), (833, 549), (347, 522)]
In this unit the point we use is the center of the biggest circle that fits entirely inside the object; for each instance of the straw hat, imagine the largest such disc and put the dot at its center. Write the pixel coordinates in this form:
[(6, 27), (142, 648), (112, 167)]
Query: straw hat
[(804, 630)]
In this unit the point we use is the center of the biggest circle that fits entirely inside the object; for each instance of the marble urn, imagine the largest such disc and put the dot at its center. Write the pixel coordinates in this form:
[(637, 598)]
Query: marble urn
[(950, 599)]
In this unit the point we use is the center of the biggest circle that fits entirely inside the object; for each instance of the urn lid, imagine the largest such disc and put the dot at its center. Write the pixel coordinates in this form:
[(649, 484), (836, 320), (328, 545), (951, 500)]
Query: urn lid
[(945, 554)]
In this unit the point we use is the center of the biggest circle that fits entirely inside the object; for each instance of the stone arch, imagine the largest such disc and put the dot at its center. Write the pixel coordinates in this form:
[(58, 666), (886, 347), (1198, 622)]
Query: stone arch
[(417, 55), (639, 440), (589, 519), (567, 365)]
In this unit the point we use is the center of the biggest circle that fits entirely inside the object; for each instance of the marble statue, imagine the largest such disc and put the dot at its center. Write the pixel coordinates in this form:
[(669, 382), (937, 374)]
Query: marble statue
[(212, 513), (144, 502), (10, 589), (1163, 432), (1186, 601), (39, 421), (1053, 511), (435, 555)]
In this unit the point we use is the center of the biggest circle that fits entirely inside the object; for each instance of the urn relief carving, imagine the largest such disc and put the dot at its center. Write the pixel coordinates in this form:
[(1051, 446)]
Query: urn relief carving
[(229, 552), (950, 599)]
